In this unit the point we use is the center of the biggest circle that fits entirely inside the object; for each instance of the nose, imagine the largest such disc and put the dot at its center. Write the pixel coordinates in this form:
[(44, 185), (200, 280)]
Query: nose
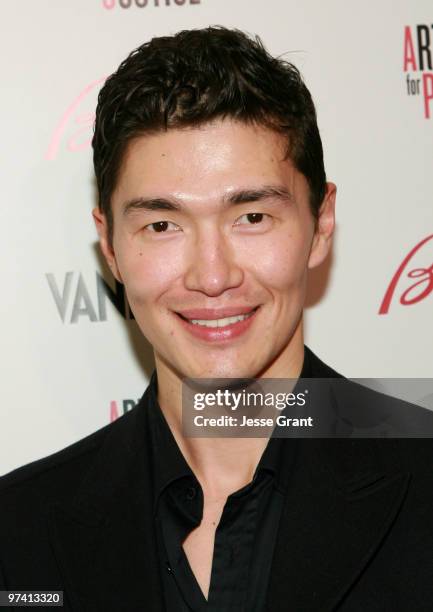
[(212, 266)]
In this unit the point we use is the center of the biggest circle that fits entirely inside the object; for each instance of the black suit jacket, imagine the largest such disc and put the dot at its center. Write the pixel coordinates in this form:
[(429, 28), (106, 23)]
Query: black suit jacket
[(356, 532)]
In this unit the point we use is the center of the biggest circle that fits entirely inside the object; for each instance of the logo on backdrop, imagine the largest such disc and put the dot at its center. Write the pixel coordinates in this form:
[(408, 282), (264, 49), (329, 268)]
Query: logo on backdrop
[(413, 279), (78, 301), (125, 404), (74, 130), (418, 65), (126, 4)]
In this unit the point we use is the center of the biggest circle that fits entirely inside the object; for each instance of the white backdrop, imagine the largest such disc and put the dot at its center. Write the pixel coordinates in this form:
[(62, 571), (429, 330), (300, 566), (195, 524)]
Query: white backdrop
[(70, 361)]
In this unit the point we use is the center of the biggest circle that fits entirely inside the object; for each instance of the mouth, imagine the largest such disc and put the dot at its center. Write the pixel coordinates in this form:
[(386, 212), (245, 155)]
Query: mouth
[(214, 329), (222, 322)]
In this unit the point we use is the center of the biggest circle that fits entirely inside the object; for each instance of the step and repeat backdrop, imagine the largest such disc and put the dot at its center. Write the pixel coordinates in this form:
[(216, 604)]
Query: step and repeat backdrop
[(72, 356)]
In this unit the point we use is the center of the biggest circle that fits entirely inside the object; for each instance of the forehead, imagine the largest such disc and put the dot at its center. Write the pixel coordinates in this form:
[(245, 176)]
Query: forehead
[(204, 162)]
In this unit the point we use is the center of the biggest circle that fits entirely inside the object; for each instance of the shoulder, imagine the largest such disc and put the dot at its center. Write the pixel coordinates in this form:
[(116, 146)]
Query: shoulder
[(318, 368), (400, 432), (56, 476), (31, 495)]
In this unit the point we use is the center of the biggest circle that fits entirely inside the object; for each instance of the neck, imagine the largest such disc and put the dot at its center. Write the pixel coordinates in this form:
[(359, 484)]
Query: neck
[(222, 465)]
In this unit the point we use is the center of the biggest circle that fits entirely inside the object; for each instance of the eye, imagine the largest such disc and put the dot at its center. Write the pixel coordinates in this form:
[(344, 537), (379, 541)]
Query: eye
[(253, 218), (160, 227)]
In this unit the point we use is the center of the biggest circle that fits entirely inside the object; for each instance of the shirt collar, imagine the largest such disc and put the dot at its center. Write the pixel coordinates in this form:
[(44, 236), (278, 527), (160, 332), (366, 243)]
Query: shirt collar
[(167, 460)]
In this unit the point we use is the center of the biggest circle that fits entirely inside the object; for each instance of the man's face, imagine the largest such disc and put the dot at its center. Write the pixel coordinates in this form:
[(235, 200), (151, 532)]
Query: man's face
[(211, 223)]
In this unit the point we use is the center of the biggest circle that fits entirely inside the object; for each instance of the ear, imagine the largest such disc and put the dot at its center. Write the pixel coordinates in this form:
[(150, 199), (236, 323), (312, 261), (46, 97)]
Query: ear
[(322, 239), (101, 223)]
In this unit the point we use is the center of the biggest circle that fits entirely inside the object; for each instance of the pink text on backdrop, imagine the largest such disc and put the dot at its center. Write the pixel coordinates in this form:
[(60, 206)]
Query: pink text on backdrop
[(418, 290), (84, 121), (418, 58), (127, 404), (126, 4)]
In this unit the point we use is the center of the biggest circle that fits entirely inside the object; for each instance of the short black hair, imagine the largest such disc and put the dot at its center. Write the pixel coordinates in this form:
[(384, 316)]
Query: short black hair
[(197, 76)]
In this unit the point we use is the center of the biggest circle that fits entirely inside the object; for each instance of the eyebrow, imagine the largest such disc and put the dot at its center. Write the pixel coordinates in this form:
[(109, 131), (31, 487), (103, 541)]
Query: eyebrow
[(242, 196)]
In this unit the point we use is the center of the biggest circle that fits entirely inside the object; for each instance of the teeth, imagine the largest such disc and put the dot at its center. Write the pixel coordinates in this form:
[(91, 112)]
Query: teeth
[(220, 322)]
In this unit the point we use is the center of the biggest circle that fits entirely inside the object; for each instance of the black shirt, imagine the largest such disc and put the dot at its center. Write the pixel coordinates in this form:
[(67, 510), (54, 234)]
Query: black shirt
[(245, 536)]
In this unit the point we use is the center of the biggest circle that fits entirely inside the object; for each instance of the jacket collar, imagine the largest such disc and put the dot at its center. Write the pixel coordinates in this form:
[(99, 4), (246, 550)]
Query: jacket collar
[(343, 497), (340, 503)]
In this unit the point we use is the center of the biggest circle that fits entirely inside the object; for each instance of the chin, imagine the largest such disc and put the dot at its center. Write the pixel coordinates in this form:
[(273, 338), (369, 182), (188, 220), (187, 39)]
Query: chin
[(225, 370)]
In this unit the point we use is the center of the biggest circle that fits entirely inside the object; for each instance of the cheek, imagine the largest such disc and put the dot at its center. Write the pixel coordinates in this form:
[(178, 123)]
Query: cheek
[(281, 264), (148, 273)]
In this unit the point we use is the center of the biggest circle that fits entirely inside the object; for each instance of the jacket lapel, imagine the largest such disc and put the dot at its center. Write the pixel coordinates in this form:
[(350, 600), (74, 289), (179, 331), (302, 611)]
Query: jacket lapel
[(104, 540), (341, 501)]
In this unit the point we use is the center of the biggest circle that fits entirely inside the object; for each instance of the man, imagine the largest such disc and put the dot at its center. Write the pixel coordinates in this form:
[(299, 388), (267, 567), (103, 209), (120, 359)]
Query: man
[(213, 206)]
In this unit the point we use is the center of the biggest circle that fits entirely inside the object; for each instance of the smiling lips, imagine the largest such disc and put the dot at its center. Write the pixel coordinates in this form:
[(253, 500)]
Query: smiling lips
[(217, 324)]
